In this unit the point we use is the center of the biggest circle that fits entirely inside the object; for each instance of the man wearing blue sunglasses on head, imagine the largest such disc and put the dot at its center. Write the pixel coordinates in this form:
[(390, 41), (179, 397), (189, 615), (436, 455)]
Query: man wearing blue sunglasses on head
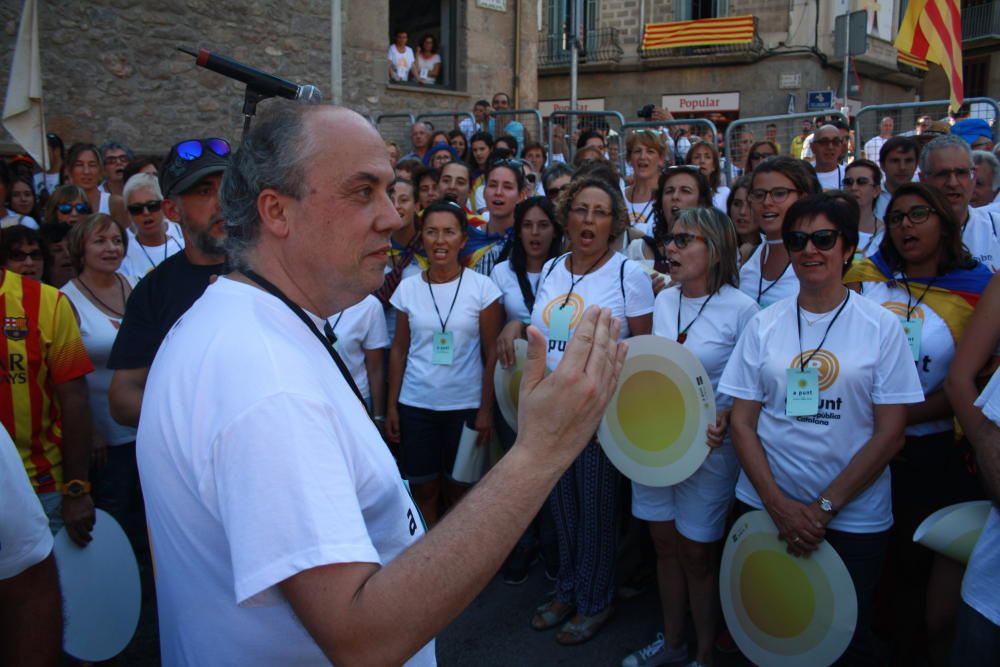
[(190, 179)]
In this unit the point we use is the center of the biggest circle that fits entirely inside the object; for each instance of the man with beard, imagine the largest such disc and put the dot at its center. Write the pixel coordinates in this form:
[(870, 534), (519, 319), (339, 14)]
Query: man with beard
[(115, 157), (189, 179)]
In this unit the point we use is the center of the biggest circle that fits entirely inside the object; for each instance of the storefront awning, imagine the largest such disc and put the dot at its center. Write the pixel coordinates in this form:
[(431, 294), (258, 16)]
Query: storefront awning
[(702, 32)]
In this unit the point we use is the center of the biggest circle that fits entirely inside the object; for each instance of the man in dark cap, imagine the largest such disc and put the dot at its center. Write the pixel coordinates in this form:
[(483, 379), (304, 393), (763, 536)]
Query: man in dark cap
[(190, 179)]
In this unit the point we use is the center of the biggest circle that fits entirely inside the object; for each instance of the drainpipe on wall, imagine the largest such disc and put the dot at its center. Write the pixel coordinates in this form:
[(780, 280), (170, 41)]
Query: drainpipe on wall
[(642, 25), (336, 51), (517, 54)]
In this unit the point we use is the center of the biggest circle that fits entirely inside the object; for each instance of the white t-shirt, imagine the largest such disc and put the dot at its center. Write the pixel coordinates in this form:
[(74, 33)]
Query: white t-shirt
[(458, 386), (411, 269), (12, 218), (284, 473), (713, 335), (25, 539), (761, 290), (882, 203), (868, 243), (358, 328), (140, 260), (805, 454), (937, 348), (628, 293), (98, 331), (105, 205), (640, 215), (832, 180), (513, 299), (401, 62), (719, 198), (979, 587), (636, 251), (425, 65), (980, 237)]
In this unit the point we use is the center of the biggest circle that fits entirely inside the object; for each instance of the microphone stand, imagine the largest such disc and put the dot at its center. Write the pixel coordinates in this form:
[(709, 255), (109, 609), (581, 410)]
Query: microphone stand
[(250, 100)]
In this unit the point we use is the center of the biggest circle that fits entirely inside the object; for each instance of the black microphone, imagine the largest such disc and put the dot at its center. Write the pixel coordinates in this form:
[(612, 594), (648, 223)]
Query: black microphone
[(263, 83)]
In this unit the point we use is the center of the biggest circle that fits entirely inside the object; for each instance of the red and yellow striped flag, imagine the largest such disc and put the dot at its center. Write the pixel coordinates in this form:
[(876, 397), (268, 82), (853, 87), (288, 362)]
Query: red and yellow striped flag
[(932, 29), (701, 32), (911, 60)]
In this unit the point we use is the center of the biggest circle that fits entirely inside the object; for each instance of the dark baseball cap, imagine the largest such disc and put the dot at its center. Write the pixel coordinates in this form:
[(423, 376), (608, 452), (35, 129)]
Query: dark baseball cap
[(190, 161)]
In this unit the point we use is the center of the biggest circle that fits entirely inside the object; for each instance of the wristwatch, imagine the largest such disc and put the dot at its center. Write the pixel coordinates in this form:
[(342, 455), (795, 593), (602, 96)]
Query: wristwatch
[(76, 488), (826, 506)]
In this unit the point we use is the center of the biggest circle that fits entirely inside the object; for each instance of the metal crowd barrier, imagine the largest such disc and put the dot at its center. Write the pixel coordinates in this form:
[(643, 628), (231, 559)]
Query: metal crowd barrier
[(739, 137), (653, 124), (401, 135), (535, 115), (578, 113), (455, 115), (905, 115)]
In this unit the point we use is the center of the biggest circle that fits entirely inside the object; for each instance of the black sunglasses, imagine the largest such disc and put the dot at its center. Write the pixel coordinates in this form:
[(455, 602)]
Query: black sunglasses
[(152, 206), (823, 239), (19, 256), (80, 207), (759, 156), (860, 180), (682, 239)]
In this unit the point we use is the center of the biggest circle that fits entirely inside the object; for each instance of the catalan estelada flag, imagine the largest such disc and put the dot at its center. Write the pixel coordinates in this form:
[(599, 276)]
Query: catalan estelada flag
[(932, 30), (701, 32)]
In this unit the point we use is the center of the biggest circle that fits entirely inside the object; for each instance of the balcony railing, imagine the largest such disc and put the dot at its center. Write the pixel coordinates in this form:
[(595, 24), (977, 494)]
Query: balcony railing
[(602, 46), (981, 21), (754, 47)]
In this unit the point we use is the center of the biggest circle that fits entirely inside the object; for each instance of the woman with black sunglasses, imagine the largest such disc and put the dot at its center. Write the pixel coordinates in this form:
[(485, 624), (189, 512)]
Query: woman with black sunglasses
[(820, 382), (706, 312), (152, 238), (925, 276)]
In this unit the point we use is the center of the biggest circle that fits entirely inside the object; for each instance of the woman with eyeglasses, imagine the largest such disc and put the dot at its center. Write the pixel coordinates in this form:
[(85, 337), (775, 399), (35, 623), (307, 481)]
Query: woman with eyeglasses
[(152, 238), (679, 188), (863, 181), (760, 151), (585, 501), (706, 312), (98, 293), (647, 153), (821, 381), (924, 275), (67, 205), (705, 156), (442, 361), (775, 186), (747, 230), (85, 171), (490, 244), (22, 251)]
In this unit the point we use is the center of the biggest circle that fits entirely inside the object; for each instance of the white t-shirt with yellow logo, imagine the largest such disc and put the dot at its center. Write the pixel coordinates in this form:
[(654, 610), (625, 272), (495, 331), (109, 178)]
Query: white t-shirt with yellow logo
[(937, 348), (627, 291), (865, 361)]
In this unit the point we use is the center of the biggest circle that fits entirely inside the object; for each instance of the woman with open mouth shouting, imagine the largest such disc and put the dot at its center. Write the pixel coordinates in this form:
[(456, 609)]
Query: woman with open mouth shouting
[(584, 503), (924, 274), (774, 186), (647, 152), (679, 188)]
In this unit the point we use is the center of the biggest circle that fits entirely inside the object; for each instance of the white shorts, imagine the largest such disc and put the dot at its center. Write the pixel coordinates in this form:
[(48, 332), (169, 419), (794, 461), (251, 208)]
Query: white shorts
[(698, 505)]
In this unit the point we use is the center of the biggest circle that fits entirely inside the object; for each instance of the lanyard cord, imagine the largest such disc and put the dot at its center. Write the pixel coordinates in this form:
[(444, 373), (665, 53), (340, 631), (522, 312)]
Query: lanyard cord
[(444, 322), (682, 335), (166, 245), (760, 278), (798, 322), (327, 340), (573, 280), (911, 308)]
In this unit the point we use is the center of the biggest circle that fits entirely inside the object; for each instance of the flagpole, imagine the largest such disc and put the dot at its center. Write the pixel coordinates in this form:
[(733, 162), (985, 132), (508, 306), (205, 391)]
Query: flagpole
[(45, 143)]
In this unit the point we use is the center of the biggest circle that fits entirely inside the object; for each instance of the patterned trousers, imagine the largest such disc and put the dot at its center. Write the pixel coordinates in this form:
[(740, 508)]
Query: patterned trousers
[(584, 506)]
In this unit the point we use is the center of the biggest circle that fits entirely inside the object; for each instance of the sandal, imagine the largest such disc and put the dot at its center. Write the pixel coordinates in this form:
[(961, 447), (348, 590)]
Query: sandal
[(548, 616), (577, 633)]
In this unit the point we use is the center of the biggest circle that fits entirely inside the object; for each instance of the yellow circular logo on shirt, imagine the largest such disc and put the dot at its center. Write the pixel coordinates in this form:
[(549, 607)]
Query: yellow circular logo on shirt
[(823, 361), (574, 300), (899, 308)]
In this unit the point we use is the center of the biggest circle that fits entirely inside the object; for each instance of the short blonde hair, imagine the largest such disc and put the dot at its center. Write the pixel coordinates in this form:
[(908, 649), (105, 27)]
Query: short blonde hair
[(76, 240), (648, 138)]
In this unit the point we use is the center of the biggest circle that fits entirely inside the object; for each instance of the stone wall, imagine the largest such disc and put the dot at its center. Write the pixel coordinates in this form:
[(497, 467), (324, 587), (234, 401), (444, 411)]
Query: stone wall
[(111, 69)]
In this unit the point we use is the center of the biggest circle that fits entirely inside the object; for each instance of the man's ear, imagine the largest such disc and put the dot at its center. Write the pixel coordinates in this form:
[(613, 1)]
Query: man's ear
[(272, 207), (171, 209)]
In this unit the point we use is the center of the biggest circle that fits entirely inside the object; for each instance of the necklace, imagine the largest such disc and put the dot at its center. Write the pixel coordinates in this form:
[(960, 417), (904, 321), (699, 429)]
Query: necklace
[(166, 245), (683, 334), (573, 280), (108, 308)]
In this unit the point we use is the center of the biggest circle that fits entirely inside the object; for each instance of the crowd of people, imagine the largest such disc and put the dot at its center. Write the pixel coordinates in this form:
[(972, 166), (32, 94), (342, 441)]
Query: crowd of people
[(410, 289)]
